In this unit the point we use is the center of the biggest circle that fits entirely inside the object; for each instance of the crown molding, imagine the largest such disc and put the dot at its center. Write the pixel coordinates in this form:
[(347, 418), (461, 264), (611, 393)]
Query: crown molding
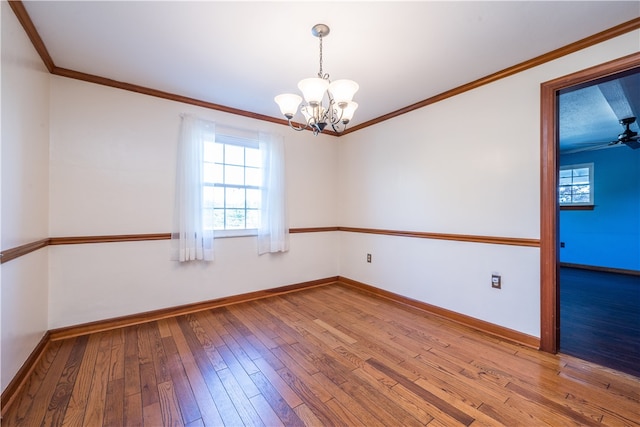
[(21, 13)]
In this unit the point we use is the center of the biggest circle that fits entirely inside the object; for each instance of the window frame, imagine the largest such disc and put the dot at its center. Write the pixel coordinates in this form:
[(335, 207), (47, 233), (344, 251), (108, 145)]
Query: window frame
[(245, 142), (578, 205)]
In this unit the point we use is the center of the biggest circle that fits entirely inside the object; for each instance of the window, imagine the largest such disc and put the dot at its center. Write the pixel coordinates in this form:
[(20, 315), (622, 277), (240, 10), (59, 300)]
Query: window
[(575, 186), (232, 183)]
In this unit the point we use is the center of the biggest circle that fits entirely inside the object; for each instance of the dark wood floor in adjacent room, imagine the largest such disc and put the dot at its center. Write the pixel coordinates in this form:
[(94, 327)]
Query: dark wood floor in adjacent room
[(329, 355), (600, 317)]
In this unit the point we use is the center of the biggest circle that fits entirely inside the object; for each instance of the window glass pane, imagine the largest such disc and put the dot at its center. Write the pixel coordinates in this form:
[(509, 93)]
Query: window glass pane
[(218, 197), (209, 172), (565, 191), (253, 218), (218, 219), (235, 198), (565, 198), (254, 177), (253, 198), (208, 196), (580, 198), (581, 180), (210, 151), (234, 155), (566, 173), (207, 219), (581, 189), (234, 175), (581, 172), (253, 157), (213, 152), (219, 152), (235, 219), (565, 180), (218, 173)]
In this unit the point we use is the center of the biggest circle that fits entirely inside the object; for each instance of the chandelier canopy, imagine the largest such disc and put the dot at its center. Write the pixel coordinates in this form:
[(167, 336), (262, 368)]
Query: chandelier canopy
[(340, 108)]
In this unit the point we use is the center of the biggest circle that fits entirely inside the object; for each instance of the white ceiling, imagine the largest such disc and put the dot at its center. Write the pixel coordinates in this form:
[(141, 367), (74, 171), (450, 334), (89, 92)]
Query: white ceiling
[(241, 54)]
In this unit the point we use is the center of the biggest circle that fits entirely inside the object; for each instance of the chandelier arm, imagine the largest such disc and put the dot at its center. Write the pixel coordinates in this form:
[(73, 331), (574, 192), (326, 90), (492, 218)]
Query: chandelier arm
[(297, 128), (335, 122), (332, 113), (337, 129)]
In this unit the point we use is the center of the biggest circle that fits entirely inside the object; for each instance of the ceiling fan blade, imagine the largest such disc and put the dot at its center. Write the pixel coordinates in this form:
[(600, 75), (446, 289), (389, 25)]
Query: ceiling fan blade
[(599, 146), (634, 143)]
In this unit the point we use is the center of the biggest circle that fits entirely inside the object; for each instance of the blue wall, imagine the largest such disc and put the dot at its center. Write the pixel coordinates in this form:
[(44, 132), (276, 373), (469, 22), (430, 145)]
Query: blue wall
[(608, 235)]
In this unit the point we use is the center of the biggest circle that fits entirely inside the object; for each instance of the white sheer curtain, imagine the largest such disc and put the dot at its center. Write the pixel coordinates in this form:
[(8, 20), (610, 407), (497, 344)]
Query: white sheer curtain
[(273, 235), (190, 239)]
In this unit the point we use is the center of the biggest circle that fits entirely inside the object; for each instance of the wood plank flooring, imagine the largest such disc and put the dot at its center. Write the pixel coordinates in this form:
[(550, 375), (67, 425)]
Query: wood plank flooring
[(329, 355), (600, 318)]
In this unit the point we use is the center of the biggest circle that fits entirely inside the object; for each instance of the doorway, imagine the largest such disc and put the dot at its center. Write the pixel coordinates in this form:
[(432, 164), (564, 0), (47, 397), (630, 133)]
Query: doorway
[(599, 221), (549, 234)]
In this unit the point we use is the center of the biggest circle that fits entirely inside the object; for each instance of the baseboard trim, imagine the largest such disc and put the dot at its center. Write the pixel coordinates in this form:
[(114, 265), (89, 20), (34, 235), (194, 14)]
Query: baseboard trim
[(19, 380), (603, 269), (150, 316), (471, 322)]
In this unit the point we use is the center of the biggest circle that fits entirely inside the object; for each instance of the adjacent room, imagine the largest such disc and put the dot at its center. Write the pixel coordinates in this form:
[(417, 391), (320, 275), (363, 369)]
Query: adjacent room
[(599, 189), (205, 221)]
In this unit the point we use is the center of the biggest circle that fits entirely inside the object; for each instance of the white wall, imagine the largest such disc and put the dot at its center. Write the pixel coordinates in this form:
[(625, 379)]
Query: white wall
[(466, 165), (112, 172), (80, 159), (98, 281), (24, 195)]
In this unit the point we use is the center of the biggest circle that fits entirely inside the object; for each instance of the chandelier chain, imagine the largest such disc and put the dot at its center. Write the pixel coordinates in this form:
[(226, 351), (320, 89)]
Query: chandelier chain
[(320, 74)]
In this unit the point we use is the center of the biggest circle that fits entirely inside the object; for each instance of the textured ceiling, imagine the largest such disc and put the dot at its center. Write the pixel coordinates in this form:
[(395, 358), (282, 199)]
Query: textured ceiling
[(241, 54), (589, 116)]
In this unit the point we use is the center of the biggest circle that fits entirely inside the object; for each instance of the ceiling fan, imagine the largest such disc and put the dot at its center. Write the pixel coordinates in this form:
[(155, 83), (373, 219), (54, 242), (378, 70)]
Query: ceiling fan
[(627, 137)]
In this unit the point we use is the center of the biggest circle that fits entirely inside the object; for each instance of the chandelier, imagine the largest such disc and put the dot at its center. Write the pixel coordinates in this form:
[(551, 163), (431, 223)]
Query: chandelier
[(340, 108)]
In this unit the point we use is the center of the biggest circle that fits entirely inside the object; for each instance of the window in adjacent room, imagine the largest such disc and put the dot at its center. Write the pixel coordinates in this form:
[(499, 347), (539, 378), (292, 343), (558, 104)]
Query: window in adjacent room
[(575, 186), (232, 183)]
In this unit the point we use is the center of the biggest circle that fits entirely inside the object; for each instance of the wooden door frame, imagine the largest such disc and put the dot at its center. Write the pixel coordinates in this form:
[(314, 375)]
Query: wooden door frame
[(549, 290)]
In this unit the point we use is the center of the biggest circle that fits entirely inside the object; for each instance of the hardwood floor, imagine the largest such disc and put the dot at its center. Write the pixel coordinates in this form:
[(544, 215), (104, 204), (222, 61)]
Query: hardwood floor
[(329, 355), (600, 318)]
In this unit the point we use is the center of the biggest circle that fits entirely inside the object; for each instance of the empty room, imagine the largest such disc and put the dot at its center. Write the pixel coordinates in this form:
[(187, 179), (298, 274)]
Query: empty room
[(319, 213)]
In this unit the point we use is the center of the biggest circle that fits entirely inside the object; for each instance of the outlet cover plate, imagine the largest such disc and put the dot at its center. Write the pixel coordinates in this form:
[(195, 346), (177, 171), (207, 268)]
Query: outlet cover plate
[(496, 281)]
